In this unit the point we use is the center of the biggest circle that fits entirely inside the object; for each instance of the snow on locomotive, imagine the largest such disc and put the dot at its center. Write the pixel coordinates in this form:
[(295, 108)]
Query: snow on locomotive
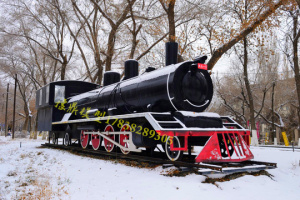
[(161, 108)]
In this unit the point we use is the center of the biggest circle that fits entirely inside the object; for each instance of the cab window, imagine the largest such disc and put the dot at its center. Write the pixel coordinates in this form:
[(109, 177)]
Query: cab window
[(41, 97), (59, 95)]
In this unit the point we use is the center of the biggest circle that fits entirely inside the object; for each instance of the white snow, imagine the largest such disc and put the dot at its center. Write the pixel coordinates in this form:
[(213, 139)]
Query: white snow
[(111, 71), (66, 117), (39, 173), (92, 111), (21, 114), (85, 95), (202, 114)]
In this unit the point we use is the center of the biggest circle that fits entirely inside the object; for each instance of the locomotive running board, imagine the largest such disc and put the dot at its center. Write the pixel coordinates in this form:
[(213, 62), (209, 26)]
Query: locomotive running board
[(132, 147), (235, 170), (154, 123), (246, 166)]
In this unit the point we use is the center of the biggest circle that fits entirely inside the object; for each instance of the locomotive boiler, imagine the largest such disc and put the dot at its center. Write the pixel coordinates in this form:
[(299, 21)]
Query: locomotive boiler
[(159, 109), (176, 87)]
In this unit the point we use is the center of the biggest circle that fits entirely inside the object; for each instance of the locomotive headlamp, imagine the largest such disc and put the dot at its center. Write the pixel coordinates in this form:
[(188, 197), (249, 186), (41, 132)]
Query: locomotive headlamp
[(200, 59), (195, 66)]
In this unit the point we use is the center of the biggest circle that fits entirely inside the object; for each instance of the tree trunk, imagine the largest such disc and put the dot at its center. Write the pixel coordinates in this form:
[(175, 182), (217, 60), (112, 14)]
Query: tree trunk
[(134, 33), (110, 48), (25, 126), (169, 7), (171, 19), (134, 44), (273, 131), (35, 135), (296, 62), (63, 68), (100, 74), (26, 123), (247, 85), (36, 127), (99, 66)]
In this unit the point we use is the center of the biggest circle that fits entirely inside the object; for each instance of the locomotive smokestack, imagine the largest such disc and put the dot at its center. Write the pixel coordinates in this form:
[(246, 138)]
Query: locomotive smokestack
[(131, 69), (111, 78), (171, 53)]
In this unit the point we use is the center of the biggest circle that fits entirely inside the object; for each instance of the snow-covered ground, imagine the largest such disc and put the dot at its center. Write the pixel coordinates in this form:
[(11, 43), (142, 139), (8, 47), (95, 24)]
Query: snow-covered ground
[(39, 173)]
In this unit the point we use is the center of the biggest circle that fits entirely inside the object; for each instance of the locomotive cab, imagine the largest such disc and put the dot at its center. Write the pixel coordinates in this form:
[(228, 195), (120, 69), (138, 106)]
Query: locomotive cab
[(53, 93)]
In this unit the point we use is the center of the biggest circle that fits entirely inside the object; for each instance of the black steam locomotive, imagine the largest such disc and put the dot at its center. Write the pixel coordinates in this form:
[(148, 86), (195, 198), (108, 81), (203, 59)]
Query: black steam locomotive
[(159, 108)]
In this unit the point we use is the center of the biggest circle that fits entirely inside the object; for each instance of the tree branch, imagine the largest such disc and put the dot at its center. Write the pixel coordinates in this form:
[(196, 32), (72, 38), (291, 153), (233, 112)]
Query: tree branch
[(220, 51)]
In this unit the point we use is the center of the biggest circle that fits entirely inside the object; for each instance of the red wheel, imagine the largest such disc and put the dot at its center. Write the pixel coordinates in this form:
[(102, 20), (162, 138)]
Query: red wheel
[(84, 139), (123, 137), (96, 141), (109, 146)]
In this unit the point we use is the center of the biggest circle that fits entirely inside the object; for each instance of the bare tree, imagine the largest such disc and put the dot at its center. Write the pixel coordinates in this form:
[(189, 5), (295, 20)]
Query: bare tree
[(123, 14), (292, 37), (43, 26), (12, 65), (250, 25)]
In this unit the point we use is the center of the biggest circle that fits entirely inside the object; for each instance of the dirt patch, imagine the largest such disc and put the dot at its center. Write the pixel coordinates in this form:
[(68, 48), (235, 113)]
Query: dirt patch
[(137, 164), (235, 176), (3, 142), (178, 172), (12, 173)]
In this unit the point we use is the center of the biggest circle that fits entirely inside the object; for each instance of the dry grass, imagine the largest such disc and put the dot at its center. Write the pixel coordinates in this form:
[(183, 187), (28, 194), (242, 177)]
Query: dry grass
[(33, 185), (42, 190)]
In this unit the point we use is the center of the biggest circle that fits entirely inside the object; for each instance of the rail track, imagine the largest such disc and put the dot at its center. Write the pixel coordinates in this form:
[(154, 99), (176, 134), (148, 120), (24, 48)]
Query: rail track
[(157, 158)]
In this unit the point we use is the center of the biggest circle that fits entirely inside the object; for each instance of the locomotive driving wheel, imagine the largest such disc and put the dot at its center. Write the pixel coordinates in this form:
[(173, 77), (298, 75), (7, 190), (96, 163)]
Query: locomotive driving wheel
[(96, 141), (109, 146), (84, 139), (125, 137), (67, 139), (173, 155), (54, 139)]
